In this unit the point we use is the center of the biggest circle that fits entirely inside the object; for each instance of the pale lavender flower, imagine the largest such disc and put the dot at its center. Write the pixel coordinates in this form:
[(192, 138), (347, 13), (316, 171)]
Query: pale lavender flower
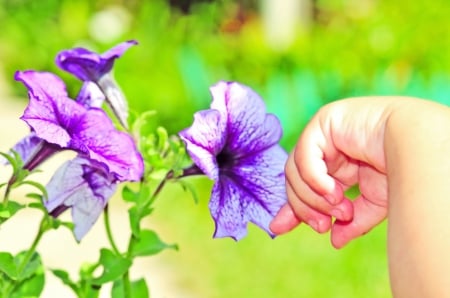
[(89, 66), (235, 143), (84, 187), (65, 124)]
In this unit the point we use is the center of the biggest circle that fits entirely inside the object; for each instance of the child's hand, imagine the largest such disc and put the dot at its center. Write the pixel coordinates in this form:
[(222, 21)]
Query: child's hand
[(342, 146)]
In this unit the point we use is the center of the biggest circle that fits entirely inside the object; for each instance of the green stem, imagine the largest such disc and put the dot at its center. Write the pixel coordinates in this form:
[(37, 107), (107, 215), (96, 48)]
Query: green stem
[(26, 259), (8, 190), (109, 232), (126, 276), (126, 284), (33, 246)]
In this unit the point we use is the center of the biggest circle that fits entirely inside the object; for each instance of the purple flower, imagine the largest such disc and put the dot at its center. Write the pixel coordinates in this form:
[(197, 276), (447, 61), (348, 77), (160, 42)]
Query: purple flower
[(92, 67), (26, 147), (82, 186), (65, 124), (235, 143)]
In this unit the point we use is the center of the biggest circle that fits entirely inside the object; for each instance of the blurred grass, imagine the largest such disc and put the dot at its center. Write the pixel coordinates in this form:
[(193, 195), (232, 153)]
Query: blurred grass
[(351, 48)]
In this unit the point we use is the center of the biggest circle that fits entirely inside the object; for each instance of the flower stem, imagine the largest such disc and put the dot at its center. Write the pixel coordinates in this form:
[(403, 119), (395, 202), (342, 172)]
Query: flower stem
[(26, 259), (108, 230), (8, 191), (33, 246)]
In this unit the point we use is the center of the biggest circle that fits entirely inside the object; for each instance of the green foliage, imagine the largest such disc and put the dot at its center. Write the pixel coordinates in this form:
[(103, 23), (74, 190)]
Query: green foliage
[(138, 289), (21, 275), (149, 244)]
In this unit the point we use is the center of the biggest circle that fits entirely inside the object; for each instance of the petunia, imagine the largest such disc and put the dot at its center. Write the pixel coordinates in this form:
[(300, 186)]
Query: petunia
[(84, 187), (235, 143), (89, 66), (63, 123)]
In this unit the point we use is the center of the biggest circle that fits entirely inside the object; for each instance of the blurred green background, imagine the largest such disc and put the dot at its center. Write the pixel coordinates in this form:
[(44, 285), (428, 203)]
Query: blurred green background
[(298, 55)]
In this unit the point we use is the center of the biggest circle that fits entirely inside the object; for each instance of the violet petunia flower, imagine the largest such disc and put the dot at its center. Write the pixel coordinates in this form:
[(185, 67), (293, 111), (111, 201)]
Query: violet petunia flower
[(62, 123), (89, 66), (82, 186), (235, 143)]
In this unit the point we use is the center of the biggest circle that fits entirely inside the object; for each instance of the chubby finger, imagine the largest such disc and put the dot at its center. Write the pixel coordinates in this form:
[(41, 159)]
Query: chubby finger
[(320, 222), (309, 161), (299, 190), (366, 216), (284, 221)]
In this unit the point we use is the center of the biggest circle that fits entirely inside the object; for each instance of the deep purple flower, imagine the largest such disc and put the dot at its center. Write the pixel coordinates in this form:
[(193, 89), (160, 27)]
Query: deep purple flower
[(82, 186), (89, 66), (65, 124), (235, 143)]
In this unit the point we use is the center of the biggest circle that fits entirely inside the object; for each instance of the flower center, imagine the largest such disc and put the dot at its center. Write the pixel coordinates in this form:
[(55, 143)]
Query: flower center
[(225, 160)]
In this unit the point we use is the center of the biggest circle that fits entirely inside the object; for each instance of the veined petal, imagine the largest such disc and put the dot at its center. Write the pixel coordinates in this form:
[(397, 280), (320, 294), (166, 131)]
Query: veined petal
[(85, 188), (50, 112), (253, 192), (249, 128), (204, 140), (26, 147), (262, 176), (227, 209), (42, 85), (103, 143)]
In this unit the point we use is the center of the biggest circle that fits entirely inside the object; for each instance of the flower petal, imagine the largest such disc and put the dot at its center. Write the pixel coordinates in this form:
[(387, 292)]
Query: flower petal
[(85, 188), (26, 147), (255, 192), (262, 175), (249, 128), (50, 112), (204, 140), (90, 66), (227, 209), (97, 135), (90, 96)]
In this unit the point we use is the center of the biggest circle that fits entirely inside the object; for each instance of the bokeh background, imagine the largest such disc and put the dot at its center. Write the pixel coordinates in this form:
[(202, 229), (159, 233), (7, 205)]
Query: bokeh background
[(298, 55)]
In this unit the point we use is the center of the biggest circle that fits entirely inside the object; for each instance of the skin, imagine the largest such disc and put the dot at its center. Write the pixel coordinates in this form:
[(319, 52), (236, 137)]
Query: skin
[(397, 149)]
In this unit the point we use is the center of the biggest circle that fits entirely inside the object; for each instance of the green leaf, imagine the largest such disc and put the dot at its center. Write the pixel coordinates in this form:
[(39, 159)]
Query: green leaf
[(128, 195), (34, 265), (37, 185), (7, 265), (114, 266), (149, 244), (189, 188), (9, 210), (35, 196), (11, 160), (65, 278), (37, 205), (32, 286), (135, 215), (138, 289)]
